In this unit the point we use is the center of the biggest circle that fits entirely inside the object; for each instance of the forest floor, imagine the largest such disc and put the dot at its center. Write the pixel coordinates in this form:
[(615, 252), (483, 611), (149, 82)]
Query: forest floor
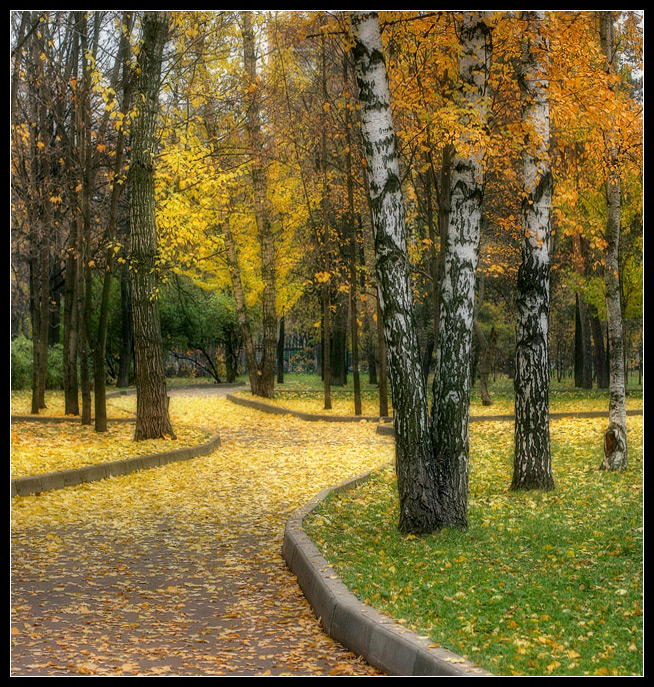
[(178, 570)]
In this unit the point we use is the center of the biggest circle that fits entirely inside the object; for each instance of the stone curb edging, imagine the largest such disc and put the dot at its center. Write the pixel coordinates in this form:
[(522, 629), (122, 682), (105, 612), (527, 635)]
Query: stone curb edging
[(24, 486), (63, 418), (389, 429), (131, 391), (378, 639), (315, 417)]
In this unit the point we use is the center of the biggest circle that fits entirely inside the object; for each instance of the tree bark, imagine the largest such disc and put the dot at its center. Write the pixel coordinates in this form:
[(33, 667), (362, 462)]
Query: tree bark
[(532, 465), (451, 387), (615, 437), (266, 377), (352, 239), (100, 348), (126, 341), (241, 310), (152, 417), (418, 507), (280, 351)]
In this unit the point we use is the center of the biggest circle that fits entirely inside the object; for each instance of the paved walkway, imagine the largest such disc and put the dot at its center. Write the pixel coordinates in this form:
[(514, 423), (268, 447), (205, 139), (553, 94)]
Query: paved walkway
[(148, 574)]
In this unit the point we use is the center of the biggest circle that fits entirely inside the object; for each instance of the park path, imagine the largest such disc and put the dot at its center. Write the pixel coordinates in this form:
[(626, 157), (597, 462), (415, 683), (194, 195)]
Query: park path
[(178, 570)]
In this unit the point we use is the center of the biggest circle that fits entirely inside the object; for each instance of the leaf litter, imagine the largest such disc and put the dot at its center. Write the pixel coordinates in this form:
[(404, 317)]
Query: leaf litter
[(178, 570)]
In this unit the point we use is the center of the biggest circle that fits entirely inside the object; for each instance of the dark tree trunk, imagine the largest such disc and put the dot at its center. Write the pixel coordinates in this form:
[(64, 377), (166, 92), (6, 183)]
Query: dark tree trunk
[(99, 352), (152, 418), (126, 342), (266, 374), (583, 348), (280, 351)]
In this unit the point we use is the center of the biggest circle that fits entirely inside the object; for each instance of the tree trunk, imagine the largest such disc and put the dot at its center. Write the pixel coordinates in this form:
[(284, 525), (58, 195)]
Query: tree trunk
[(599, 354), (280, 351), (126, 342), (451, 387), (326, 283), (485, 363), (266, 382), (583, 354), (418, 507), (100, 348), (152, 418), (383, 377), (241, 311), (532, 465), (615, 438), (354, 296)]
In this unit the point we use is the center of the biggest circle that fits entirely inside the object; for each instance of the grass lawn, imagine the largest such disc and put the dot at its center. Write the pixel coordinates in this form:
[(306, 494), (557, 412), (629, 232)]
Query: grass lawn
[(540, 584), (303, 392)]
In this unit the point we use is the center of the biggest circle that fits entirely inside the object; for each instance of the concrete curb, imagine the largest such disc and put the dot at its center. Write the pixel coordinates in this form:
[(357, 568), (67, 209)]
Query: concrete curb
[(312, 417), (24, 486), (378, 639), (131, 391)]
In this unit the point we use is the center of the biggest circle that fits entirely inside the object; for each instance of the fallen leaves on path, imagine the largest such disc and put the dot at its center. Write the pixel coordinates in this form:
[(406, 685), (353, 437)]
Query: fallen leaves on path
[(178, 570)]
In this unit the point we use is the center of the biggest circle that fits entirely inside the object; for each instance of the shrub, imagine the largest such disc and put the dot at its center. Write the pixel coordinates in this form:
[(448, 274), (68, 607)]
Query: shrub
[(21, 365)]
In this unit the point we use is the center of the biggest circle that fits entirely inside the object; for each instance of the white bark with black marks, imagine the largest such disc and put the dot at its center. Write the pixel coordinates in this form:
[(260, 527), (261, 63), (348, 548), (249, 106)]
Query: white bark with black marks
[(461, 251), (532, 467), (418, 507), (615, 438)]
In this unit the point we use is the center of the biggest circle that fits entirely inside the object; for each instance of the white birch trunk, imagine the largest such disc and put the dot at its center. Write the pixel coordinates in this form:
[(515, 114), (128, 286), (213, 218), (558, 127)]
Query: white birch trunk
[(532, 467), (412, 439), (461, 251), (615, 438)]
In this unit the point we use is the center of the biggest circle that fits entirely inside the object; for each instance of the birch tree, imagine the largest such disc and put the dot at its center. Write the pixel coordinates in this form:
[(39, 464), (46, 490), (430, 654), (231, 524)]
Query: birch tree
[(451, 387), (615, 437), (417, 494), (431, 457), (532, 467)]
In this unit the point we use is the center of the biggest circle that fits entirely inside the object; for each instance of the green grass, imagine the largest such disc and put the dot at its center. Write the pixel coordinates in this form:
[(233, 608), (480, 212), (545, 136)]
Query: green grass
[(539, 584), (304, 392)]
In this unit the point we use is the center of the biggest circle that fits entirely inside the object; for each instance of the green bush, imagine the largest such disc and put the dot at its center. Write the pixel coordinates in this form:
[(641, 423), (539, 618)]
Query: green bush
[(21, 365)]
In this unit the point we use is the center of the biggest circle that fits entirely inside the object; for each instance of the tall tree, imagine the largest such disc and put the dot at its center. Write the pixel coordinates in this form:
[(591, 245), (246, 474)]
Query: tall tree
[(451, 385), (431, 457), (532, 466), (264, 382), (152, 417), (111, 227), (615, 437), (413, 454)]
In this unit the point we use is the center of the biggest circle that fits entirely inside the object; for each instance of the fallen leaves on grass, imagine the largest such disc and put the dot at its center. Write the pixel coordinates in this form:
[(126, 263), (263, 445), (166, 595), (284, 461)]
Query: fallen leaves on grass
[(542, 583)]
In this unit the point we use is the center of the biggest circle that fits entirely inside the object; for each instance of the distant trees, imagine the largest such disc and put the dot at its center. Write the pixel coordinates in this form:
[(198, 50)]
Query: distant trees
[(263, 191)]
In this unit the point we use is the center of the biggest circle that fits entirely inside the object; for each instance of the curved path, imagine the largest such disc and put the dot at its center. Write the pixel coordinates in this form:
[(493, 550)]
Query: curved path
[(174, 571)]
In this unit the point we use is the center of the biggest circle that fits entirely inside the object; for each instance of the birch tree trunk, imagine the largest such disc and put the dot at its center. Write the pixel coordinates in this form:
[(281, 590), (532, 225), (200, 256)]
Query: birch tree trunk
[(615, 437), (152, 418), (418, 507), (266, 374), (451, 387), (532, 463)]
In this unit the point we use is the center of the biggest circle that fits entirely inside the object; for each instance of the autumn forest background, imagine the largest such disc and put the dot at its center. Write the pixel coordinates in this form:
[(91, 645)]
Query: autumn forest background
[(430, 222), (72, 105)]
